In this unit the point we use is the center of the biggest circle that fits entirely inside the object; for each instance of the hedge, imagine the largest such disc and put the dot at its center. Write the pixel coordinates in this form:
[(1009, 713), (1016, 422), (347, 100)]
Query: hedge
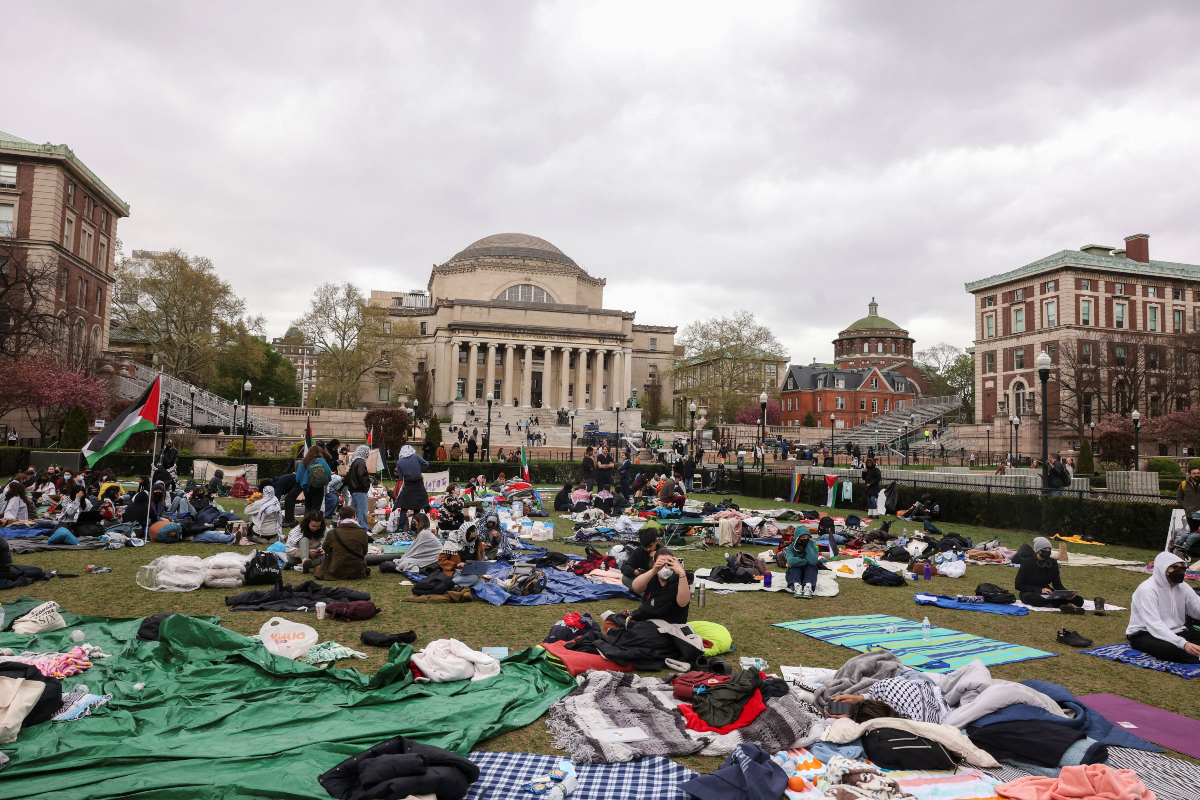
[(1113, 522)]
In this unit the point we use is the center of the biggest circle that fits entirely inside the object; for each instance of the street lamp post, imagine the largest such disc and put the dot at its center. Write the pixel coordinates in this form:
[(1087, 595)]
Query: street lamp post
[(245, 415), (1044, 363), (1137, 429), (192, 411), (833, 438), (1017, 423), (573, 413), (1011, 449), (488, 454), (1092, 425), (989, 441), (762, 465), (617, 408), (416, 416), (692, 410)]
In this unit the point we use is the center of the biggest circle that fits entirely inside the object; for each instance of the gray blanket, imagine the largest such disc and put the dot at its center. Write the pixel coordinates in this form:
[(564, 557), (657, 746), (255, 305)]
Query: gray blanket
[(857, 675), (421, 553), (37, 544)]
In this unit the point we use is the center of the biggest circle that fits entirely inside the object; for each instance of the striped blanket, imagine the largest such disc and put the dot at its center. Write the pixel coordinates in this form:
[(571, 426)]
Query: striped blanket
[(945, 651)]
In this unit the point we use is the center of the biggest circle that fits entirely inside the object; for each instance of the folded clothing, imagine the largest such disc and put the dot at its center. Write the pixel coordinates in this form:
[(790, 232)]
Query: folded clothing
[(752, 707), (576, 662), (303, 597), (400, 768)]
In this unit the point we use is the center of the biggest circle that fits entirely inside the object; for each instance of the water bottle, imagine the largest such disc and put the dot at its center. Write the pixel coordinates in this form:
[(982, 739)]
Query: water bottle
[(767, 579), (925, 629), (700, 597), (891, 629), (928, 571)]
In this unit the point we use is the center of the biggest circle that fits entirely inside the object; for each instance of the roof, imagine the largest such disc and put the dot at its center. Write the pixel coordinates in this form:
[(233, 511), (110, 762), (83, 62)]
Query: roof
[(10, 142), (872, 321), (812, 376), (514, 245), (1064, 258)]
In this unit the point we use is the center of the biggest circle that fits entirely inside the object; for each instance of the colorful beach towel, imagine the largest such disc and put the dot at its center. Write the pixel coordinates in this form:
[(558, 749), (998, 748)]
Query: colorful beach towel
[(503, 775), (945, 651), (1127, 655)]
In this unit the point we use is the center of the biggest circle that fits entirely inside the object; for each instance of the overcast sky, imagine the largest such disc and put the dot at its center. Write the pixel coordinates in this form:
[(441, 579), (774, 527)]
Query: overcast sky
[(790, 158)]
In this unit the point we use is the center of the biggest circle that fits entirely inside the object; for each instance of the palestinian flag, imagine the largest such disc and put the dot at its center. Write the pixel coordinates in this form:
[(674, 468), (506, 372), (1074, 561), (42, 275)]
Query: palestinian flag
[(308, 442), (370, 437), (524, 466), (141, 416)]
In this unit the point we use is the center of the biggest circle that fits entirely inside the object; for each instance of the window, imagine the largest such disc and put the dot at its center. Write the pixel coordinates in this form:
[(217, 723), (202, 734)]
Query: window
[(653, 343), (481, 355), (102, 257), (526, 293), (1050, 313), (424, 328), (62, 288), (1085, 353), (866, 348), (874, 383), (899, 404), (989, 363), (479, 388), (1018, 320), (80, 296), (1119, 315), (874, 405), (1177, 294), (462, 355), (385, 393), (499, 357), (85, 244), (885, 403), (8, 176), (1178, 327), (1152, 358), (1049, 286), (840, 402), (899, 388), (1152, 291), (1152, 318), (818, 405), (862, 404), (839, 383), (385, 356), (1019, 358), (70, 194), (989, 301), (496, 388), (1119, 355), (879, 347), (99, 301), (1019, 294), (6, 219), (387, 326), (1085, 312), (989, 326), (771, 369), (104, 220), (68, 233), (893, 348), (1118, 288)]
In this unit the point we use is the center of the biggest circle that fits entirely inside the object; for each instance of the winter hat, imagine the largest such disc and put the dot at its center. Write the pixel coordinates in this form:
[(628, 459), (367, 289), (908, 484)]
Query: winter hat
[(1041, 543)]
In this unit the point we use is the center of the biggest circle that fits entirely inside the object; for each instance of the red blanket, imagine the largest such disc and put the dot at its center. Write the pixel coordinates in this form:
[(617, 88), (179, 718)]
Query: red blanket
[(578, 663)]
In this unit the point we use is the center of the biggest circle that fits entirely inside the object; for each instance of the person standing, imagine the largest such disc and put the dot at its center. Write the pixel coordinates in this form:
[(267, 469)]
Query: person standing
[(871, 478), (624, 472), (12, 437), (604, 467), (689, 473), (411, 494), (485, 449), (1188, 498), (314, 474), (589, 469), (472, 448), (358, 483)]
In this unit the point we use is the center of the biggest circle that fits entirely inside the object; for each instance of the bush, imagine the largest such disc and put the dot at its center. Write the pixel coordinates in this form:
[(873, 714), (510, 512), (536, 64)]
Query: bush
[(234, 450), (1111, 466), (433, 433), (1194, 464), (296, 448), (75, 429), (1087, 464), (1165, 467)]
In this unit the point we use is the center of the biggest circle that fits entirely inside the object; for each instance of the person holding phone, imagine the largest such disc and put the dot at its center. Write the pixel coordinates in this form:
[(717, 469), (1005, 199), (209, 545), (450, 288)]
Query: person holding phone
[(1039, 584), (664, 590)]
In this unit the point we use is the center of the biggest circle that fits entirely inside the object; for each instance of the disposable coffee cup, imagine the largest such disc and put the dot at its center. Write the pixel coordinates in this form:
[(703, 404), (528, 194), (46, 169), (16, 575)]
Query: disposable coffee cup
[(320, 611)]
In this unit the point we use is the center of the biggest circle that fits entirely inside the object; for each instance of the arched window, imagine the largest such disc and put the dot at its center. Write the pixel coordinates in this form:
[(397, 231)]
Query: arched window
[(1019, 397), (95, 343), (527, 293), (78, 345), (879, 347)]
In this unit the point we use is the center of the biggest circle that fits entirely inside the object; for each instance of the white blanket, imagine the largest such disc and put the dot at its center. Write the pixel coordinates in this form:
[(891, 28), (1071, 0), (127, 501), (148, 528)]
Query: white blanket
[(445, 660), (845, 730)]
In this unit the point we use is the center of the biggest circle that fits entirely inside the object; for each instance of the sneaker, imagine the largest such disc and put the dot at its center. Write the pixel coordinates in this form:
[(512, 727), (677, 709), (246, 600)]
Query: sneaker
[(1071, 608), (306, 565), (1099, 603), (808, 592), (798, 592), (1073, 639)]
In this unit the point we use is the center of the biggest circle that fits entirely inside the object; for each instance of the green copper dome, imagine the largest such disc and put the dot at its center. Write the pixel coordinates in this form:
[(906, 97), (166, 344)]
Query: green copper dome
[(873, 321)]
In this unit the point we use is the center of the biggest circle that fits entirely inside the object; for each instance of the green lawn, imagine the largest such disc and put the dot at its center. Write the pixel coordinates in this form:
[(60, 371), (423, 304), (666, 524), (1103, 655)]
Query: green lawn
[(747, 615)]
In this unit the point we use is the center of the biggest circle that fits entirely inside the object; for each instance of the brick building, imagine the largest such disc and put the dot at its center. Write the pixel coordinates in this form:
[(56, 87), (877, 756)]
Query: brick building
[(1112, 321), (301, 356), (841, 397), (64, 220), (876, 341)]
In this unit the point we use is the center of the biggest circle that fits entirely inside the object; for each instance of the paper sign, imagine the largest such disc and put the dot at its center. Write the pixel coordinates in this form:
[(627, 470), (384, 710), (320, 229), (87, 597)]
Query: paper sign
[(620, 735), (495, 652), (437, 482), (1127, 725)]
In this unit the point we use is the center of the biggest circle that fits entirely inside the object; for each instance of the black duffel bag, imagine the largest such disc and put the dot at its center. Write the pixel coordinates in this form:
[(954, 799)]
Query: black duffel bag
[(893, 748), (878, 576), (991, 593)]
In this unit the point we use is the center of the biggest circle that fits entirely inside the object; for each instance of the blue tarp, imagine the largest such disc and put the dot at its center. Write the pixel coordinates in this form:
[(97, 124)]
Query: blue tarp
[(1092, 723), (945, 601), (561, 587)]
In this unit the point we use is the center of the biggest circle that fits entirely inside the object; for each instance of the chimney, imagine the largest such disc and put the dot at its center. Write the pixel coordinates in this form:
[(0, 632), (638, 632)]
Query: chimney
[(1119, 253), (1137, 247)]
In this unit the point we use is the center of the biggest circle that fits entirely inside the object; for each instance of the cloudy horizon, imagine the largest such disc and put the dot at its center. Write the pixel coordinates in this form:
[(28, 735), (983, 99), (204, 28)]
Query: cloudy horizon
[(791, 159)]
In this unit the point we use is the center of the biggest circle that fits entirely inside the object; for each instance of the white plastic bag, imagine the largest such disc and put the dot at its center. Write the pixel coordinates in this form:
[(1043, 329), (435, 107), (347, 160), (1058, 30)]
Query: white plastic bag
[(286, 638), (952, 569)]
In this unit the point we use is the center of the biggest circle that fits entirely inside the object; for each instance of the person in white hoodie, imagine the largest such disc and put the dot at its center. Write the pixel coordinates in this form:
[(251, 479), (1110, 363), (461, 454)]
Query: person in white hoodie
[(1163, 611)]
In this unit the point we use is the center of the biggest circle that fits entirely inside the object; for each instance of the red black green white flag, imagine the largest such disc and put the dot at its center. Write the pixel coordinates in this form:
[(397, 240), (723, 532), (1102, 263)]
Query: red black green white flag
[(141, 416), (308, 442), (524, 465), (370, 436)]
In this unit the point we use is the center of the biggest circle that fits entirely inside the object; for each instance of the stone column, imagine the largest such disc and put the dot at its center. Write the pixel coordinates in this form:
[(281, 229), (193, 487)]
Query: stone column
[(547, 372), (491, 370), (628, 362), (527, 377), (581, 378), (598, 380), (453, 394), (472, 372), (617, 372), (565, 379), (509, 352)]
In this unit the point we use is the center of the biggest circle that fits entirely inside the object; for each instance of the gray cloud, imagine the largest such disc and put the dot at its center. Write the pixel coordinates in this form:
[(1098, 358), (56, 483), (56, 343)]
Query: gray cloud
[(792, 159)]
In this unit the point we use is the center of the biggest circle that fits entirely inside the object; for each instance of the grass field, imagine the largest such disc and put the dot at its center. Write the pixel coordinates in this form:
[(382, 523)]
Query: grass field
[(748, 616)]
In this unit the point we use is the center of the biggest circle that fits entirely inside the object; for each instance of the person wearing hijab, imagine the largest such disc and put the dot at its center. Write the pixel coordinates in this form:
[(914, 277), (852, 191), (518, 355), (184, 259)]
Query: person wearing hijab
[(1164, 614), (411, 494), (802, 559), (358, 483), (265, 517), (1038, 582)]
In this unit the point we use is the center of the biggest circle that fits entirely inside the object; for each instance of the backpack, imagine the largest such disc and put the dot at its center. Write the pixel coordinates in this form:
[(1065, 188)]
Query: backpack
[(893, 748), (825, 526), (899, 554), (991, 593), (878, 576), (353, 610), (852, 521), (318, 473), (525, 585), (262, 567)]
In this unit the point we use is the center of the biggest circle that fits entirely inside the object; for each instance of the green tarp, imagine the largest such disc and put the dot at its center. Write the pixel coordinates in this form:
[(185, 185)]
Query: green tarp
[(221, 717)]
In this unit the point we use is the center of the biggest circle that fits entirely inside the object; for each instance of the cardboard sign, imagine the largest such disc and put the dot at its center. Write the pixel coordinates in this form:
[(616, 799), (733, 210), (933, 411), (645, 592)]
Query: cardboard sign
[(437, 482)]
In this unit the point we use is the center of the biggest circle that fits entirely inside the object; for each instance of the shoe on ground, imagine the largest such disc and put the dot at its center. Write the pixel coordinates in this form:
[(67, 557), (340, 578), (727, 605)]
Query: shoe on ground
[(808, 592), (306, 565), (1099, 603), (1071, 608), (1073, 639)]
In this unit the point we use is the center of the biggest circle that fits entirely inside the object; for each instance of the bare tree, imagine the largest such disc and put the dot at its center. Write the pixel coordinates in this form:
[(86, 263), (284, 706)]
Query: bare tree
[(724, 361), (27, 287)]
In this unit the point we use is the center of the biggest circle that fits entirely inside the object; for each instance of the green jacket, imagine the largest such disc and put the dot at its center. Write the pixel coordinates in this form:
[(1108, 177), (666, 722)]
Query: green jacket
[(796, 559), (1189, 497)]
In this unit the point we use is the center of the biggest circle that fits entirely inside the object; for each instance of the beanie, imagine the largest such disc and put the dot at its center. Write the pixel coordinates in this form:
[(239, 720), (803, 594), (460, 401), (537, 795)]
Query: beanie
[(1041, 543)]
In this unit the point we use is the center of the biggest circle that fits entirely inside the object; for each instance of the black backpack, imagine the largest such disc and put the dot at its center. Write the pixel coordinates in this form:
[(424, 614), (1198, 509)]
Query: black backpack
[(899, 554), (878, 576), (991, 593), (525, 585), (262, 567), (893, 748)]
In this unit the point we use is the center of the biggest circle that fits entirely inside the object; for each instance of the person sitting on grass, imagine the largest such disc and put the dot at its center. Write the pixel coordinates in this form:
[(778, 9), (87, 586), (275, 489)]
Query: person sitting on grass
[(1038, 583), (1165, 613), (802, 560), (604, 500), (16, 503), (668, 492), (924, 510), (303, 544), (664, 590), (640, 558), (345, 547), (562, 500), (581, 499)]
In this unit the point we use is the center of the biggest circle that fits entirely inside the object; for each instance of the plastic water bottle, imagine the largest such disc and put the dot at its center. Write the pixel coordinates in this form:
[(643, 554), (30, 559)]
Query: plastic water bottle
[(1, 619), (928, 571), (767, 579), (925, 629)]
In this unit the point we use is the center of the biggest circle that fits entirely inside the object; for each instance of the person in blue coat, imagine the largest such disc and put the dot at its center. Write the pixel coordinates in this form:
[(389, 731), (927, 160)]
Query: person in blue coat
[(802, 560), (410, 494)]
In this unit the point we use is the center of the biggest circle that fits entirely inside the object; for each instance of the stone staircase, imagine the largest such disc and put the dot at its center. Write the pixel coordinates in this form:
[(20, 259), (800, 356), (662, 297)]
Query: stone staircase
[(474, 418), (210, 410), (891, 426)]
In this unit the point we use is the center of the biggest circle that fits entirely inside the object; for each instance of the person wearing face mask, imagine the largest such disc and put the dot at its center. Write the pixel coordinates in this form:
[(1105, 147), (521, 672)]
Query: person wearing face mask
[(1038, 582), (802, 560), (1164, 614)]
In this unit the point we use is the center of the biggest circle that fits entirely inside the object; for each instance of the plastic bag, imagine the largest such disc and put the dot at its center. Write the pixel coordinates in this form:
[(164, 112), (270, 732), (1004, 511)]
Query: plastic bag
[(953, 569), (286, 638)]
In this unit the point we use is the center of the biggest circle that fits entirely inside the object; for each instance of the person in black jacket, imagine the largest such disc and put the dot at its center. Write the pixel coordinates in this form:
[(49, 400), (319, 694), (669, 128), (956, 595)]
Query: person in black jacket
[(871, 477), (642, 557), (562, 500), (472, 449), (1057, 477), (1039, 584), (589, 469), (358, 483), (287, 490)]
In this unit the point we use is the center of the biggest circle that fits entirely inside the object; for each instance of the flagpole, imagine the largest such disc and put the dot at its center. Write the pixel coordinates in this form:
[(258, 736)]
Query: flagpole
[(153, 449)]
